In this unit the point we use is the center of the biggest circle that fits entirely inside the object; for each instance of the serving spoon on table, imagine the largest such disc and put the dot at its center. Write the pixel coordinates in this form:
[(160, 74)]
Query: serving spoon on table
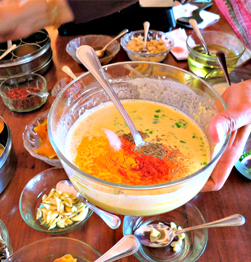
[(195, 27), (69, 72), (89, 59), (100, 53), (146, 30), (167, 234), (111, 220), (126, 246)]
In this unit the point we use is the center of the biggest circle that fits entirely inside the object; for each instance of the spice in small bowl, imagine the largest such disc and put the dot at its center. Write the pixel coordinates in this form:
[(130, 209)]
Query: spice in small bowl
[(15, 95)]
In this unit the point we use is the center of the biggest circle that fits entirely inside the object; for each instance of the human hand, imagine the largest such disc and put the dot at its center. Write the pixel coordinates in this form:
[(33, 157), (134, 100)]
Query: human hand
[(237, 121), (21, 18)]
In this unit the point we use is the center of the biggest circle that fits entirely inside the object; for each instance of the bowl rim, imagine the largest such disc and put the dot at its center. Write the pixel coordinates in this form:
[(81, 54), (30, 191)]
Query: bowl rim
[(45, 230), (135, 187), (50, 239), (123, 39), (209, 57)]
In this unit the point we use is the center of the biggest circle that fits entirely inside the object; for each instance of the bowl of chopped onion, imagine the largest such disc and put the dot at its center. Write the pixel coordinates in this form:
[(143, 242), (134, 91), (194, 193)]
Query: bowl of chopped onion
[(48, 210)]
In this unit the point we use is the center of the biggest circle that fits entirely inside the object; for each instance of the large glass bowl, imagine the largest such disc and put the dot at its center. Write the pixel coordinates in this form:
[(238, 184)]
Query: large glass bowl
[(137, 80)]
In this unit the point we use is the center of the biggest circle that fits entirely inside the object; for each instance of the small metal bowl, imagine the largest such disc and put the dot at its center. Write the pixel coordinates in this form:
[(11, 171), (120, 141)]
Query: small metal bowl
[(25, 49), (40, 59), (7, 158), (38, 38)]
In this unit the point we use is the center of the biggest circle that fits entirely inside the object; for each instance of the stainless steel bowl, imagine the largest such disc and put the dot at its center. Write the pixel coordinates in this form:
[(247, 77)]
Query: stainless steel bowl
[(28, 63), (7, 159)]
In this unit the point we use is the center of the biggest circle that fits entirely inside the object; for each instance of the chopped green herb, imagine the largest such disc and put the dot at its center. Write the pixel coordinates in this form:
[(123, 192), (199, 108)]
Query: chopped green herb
[(156, 116), (178, 125), (158, 111), (181, 141), (203, 163)]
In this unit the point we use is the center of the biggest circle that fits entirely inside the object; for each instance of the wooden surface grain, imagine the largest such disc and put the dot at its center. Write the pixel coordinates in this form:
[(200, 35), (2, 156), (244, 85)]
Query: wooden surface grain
[(224, 244)]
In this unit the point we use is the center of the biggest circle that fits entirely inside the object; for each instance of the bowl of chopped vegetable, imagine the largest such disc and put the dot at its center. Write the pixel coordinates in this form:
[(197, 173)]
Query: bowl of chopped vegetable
[(168, 105), (186, 247), (243, 165), (158, 45), (48, 210), (55, 249), (36, 140)]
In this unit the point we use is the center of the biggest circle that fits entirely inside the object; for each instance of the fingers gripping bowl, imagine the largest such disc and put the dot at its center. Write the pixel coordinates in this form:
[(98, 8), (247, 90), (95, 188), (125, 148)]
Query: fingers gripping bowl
[(142, 81)]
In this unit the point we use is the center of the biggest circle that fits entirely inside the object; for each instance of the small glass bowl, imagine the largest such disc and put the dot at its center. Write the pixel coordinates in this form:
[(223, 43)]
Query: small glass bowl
[(217, 79), (194, 242), (49, 249), (97, 42), (200, 63), (29, 103), (137, 56), (31, 198), (244, 165), (31, 140)]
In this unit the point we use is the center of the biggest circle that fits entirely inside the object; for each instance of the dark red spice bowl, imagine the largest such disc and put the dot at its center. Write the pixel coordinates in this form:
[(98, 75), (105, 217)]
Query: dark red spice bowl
[(14, 93), (141, 81)]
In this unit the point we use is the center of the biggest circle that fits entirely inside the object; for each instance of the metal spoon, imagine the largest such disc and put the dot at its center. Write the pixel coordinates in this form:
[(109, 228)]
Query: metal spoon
[(88, 58), (195, 27), (167, 234), (146, 29), (126, 246), (222, 61), (42, 95), (111, 220), (100, 53), (69, 72), (8, 51)]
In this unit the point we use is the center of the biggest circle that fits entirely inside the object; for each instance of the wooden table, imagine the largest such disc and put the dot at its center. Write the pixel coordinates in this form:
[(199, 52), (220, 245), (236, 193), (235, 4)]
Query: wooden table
[(224, 244)]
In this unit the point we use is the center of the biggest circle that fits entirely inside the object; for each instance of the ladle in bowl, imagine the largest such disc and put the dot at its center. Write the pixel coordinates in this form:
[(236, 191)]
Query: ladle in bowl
[(126, 246), (146, 29), (100, 53), (89, 59), (111, 220), (167, 234), (222, 61), (195, 27)]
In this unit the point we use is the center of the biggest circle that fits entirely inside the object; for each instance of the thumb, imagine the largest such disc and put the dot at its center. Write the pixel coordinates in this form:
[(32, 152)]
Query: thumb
[(229, 121)]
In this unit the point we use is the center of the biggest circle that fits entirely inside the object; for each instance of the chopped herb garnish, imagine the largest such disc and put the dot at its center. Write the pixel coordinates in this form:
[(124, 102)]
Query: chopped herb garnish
[(178, 125), (203, 163), (158, 111), (181, 141), (156, 116)]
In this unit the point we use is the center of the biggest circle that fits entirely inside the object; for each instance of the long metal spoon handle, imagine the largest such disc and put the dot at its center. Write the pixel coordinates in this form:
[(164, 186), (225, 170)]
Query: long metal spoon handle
[(115, 38), (222, 61), (89, 59), (127, 246), (111, 220), (146, 29), (69, 72), (195, 27), (230, 221)]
